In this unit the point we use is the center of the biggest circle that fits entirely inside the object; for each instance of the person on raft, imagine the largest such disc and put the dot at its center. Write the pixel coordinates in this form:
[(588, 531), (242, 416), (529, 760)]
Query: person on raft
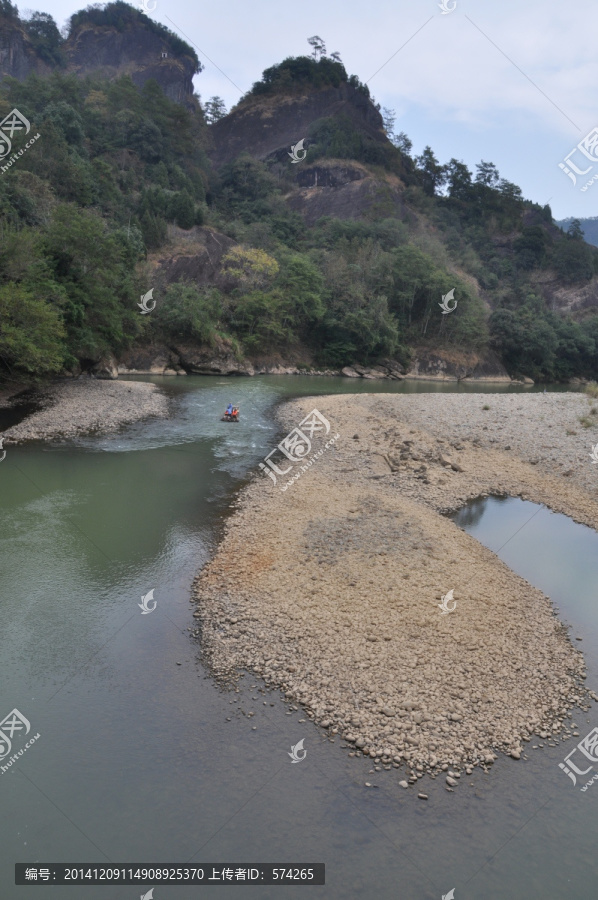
[(229, 409)]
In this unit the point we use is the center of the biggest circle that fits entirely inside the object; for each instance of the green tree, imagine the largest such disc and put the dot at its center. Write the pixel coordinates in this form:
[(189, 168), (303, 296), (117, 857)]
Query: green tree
[(459, 179), (487, 174), (8, 10), (94, 267), (258, 317), (45, 38), (64, 117), (318, 47), (525, 339), (32, 335), (249, 268), (153, 229), (214, 110), (573, 260), (402, 143), (246, 189), (389, 117), (575, 231), (189, 313), (182, 210), (432, 174), (531, 247), (300, 284)]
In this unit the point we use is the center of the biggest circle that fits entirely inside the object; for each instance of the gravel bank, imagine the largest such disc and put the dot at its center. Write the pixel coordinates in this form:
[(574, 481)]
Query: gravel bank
[(330, 589), (75, 407)]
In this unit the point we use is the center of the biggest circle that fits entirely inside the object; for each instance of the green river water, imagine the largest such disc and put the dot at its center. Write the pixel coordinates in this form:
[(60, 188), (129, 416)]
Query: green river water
[(141, 757)]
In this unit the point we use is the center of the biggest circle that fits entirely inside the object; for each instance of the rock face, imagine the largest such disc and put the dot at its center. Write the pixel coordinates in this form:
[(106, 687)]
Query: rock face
[(105, 368), (180, 358), (156, 359), (386, 368), (268, 126), (345, 190), (200, 263), (447, 365), (17, 56), (219, 360), (577, 300), (135, 51)]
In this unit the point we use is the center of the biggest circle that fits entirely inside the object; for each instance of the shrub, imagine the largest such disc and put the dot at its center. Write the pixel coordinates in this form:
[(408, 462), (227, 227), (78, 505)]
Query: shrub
[(188, 313)]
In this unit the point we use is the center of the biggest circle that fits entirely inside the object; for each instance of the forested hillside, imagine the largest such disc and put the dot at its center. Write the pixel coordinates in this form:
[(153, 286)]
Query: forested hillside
[(122, 176)]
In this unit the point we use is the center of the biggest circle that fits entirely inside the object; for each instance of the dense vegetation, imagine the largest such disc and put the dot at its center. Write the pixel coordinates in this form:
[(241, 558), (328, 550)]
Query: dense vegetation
[(116, 166), (112, 167), (294, 74)]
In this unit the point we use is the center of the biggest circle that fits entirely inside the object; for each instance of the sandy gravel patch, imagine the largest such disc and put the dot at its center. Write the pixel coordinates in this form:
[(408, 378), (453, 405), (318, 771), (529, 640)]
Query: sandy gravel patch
[(76, 407), (330, 589)]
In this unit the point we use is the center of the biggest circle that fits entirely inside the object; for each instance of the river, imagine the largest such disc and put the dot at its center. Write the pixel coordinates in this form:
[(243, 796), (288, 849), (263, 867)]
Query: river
[(141, 757)]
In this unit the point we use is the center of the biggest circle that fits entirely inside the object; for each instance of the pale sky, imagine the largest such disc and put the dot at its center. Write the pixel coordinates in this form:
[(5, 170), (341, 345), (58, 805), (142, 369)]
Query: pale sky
[(452, 85)]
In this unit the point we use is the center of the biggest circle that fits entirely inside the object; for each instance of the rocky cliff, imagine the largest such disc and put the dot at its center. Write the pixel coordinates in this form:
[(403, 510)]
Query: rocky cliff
[(267, 126), (135, 49), (345, 190), (456, 365), (194, 256), (17, 56), (137, 52), (577, 300)]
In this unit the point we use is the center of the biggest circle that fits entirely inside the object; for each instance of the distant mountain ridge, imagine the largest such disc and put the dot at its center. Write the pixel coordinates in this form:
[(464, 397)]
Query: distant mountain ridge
[(589, 227)]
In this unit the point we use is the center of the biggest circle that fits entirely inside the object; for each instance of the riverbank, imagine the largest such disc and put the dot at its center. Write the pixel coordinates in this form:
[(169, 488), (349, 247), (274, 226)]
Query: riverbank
[(330, 589), (426, 364), (70, 408)]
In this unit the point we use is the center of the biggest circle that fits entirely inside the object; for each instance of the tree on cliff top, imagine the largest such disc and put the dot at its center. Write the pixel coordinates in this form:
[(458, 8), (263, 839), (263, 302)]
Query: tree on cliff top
[(8, 10), (295, 73), (318, 47), (214, 109), (45, 38)]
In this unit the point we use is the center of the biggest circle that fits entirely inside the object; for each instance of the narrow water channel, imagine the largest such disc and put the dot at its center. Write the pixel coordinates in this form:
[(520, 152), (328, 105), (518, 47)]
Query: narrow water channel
[(143, 758)]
